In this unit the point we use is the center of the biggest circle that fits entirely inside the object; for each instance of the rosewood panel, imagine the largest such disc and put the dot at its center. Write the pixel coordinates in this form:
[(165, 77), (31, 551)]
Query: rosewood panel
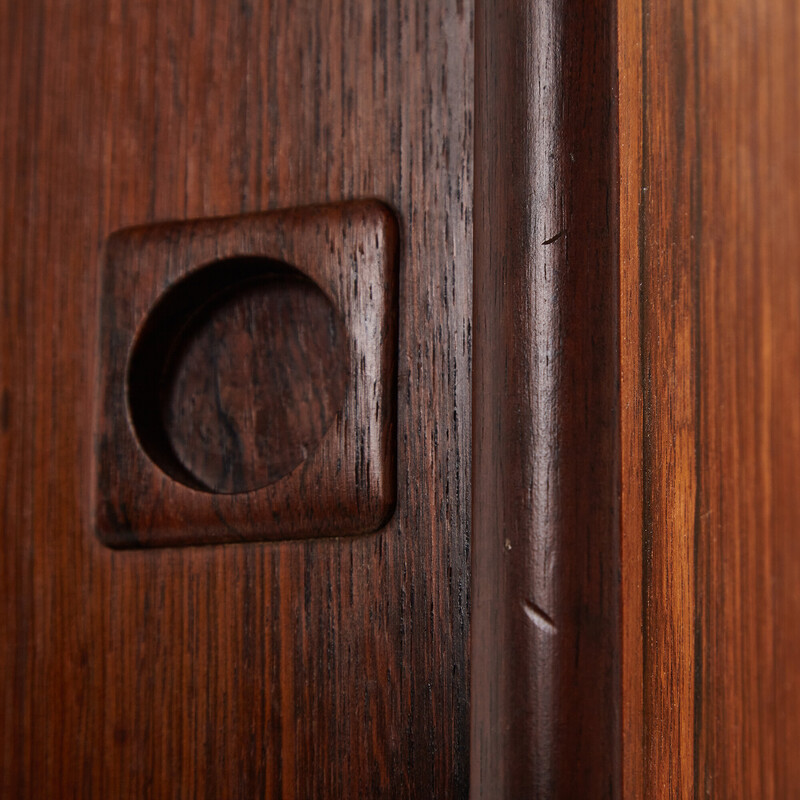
[(710, 376), (333, 668)]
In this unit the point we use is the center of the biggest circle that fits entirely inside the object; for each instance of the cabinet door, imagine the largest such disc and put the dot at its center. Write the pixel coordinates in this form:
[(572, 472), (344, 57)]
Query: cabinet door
[(310, 668)]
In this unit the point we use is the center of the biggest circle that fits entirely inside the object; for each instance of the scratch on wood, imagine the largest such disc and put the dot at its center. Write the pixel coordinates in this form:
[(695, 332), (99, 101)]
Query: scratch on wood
[(539, 618), (555, 238)]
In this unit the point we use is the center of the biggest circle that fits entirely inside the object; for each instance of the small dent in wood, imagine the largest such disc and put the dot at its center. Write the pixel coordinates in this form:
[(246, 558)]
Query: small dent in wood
[(539, 618)]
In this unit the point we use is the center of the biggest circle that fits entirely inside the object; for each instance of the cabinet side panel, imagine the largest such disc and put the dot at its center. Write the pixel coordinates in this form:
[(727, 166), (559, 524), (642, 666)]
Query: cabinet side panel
[(710, 317)]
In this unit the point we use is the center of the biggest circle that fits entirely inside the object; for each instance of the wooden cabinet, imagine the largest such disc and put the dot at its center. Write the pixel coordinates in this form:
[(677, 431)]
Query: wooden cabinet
[(584, 578)]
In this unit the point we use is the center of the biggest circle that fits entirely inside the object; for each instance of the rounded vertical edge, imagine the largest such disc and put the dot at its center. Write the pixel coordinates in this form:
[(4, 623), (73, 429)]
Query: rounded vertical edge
[(545, 553), (382, 499)]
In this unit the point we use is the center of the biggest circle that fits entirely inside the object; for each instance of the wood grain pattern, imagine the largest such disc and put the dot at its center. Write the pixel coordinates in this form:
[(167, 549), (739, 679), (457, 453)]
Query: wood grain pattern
[(254, 382), (155, 279), (544, 650), (710, 375), (636, 374), (333, 668)]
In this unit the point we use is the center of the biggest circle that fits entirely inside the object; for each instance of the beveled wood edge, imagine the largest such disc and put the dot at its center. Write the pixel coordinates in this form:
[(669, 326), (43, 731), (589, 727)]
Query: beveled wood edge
[(545, 624)]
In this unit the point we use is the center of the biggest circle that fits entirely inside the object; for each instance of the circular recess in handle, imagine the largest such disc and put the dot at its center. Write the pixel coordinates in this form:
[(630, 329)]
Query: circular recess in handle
[(236, 375)]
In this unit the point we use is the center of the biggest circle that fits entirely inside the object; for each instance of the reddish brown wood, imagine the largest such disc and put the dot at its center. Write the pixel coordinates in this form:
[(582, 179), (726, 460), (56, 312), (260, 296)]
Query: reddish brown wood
[(545, 577), (710, 376), (334, 668), (255, 381), (651, 392), (152, 469)]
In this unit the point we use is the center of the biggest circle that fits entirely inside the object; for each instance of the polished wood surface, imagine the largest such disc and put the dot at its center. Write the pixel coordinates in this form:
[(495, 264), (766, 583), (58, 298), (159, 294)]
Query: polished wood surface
[(544, 559), (333, 668), (635, 554), (710, 378)]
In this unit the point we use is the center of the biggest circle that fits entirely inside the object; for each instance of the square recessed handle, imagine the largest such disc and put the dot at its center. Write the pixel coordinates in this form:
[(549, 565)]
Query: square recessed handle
[(247, 378)]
